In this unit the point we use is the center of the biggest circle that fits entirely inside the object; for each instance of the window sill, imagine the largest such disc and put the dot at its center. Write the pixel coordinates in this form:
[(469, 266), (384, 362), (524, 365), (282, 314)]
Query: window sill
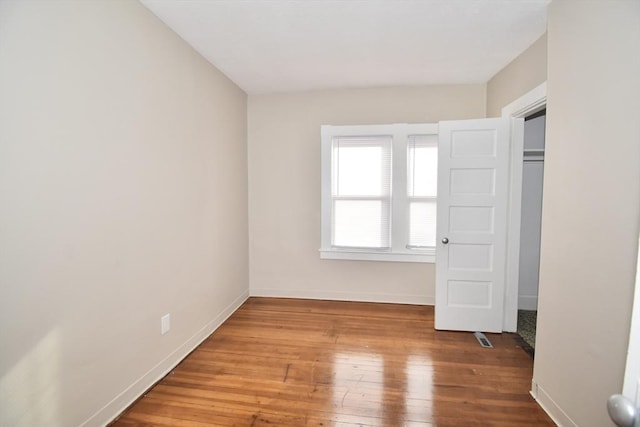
[(359, 255)]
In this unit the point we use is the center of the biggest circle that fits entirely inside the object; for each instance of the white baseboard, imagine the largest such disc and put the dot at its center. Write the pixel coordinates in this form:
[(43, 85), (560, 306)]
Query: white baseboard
[(550, 406), (122, 401), (343, 296), (527, 302)]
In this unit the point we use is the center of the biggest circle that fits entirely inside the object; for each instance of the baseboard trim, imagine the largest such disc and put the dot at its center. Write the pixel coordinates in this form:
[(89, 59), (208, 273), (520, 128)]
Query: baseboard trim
[(528, 302), (550, 406), (343, 296), (123, 400)]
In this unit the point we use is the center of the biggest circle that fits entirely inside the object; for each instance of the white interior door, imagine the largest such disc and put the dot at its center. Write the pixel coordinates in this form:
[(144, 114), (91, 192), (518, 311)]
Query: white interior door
[(473, 180)]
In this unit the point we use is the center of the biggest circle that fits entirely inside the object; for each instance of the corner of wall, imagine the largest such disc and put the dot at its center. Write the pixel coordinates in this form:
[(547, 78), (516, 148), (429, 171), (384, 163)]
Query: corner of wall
[(524, 73), (552, 409), (120, 403)]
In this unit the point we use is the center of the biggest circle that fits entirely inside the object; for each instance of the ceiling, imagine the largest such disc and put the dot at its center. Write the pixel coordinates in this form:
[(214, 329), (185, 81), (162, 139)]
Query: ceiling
[(269, 46)]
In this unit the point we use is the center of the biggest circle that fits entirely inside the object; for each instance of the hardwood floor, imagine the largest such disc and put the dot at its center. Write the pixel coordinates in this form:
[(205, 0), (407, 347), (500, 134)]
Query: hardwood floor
[(288, 362)]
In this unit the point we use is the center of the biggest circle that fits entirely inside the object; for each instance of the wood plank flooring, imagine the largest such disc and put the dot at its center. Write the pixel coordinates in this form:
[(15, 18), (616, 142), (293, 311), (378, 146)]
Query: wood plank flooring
[(288, 362)]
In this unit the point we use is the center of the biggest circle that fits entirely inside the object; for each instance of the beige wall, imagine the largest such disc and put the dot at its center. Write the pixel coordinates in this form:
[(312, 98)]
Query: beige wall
[(524, 73), (591, 206), (284, 189), (122, 197)]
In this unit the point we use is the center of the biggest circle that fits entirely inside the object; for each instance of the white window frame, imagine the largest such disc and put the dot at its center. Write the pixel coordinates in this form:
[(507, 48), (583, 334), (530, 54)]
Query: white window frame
[(399, 251)]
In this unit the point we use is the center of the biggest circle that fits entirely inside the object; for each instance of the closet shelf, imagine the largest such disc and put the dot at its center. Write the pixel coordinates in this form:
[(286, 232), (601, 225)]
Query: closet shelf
[(533, 154)]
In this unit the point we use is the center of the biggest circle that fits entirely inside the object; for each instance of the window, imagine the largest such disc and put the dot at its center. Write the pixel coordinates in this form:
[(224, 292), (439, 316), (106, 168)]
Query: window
[(422, 178), (379, 192), (361, 192)]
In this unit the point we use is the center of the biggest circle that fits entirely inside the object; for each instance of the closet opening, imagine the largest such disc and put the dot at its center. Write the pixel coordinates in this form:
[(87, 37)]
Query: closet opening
[(529, 264)]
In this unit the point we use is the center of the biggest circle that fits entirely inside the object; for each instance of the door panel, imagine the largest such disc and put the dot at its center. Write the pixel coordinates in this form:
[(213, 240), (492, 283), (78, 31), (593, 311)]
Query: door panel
[(475, 143), (473, 171), (472, 182), (469, 294), (471, 219), (470, 257)]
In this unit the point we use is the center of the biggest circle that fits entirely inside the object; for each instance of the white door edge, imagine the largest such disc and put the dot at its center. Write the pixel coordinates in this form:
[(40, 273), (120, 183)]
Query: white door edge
[(529, 103), (631, 385)]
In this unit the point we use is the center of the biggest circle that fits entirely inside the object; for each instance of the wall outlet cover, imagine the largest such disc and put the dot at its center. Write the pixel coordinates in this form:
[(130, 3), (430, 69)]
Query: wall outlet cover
[(165, 323)]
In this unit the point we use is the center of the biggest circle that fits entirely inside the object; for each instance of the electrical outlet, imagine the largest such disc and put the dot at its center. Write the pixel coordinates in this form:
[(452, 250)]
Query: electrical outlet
[(165, 323)]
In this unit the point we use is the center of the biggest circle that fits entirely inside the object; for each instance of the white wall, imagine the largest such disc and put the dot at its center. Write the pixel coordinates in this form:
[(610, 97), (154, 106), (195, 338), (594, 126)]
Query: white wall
[(284, 189), (591, 207), (532, 178), (123, 187)]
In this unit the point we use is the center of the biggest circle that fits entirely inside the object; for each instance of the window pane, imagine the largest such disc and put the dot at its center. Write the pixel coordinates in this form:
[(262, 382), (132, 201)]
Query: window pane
[(361, 166), (422, 224), (422, 168), (361, 223)]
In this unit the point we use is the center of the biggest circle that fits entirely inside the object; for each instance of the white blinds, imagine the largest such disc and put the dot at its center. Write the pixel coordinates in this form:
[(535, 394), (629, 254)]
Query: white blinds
[(361, 192), (422, 184)]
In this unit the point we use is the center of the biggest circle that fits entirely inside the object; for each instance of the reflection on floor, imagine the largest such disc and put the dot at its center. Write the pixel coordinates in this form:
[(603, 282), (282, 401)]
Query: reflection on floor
[(288, 362)]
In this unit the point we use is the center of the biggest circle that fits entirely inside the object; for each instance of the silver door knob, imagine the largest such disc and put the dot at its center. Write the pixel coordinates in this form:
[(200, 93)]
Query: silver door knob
[(445, 240), (622, 411)]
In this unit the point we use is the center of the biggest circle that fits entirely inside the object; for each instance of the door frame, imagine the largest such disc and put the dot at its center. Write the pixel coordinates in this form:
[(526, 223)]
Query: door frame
[(529, 103)]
